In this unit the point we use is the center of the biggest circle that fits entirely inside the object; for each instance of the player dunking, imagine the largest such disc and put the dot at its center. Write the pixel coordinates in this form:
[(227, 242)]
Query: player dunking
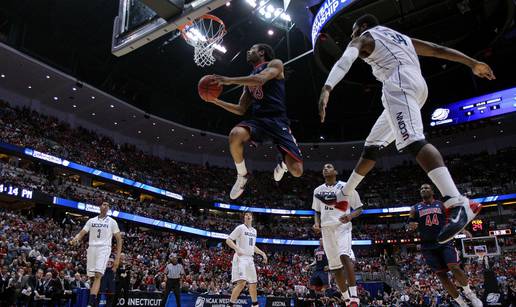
[(264, 93), (335, 226), (101, 229), (243, 241), (429, 218), (394, 60)]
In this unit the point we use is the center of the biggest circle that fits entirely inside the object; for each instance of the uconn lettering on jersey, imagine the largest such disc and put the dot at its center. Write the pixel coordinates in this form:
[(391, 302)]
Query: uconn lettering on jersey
[(250, 234), (95, 225), (423, 212)]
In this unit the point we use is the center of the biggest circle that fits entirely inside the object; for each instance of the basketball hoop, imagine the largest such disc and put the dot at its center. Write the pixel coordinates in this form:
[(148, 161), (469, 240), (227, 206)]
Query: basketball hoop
[(204, 34)]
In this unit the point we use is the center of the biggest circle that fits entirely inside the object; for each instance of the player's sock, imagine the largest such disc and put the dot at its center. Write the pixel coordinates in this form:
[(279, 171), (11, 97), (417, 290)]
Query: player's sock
[(353, 291), (460, 301), (241, 169), (92, 301), (255, 304), (352, 183), (443, 181)]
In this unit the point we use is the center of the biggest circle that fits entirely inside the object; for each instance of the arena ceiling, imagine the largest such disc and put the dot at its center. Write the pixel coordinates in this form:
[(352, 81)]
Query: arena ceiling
[(75, 37)]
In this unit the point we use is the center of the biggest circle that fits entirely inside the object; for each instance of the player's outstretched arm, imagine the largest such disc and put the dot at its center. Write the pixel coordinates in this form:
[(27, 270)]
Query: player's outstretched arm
[(273, 70), (238, 109), (261, 253), (232, 244), (347, 218), (412, 220), (429, 49), (119, 243)]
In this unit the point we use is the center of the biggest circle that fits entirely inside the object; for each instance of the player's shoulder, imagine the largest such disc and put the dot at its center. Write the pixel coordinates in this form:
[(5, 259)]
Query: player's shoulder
[(275, 62), (320, 187)]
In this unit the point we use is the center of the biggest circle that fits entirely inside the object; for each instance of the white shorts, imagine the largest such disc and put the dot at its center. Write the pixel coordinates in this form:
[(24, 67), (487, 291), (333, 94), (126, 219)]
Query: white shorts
[(403, 95), (97, 258), (337, 241), (243, 269)]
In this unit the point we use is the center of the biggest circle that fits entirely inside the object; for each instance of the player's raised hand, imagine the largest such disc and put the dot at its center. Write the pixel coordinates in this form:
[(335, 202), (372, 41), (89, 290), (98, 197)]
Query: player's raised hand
[(73, 242), (482, 70), (316, 228), (323, 102)]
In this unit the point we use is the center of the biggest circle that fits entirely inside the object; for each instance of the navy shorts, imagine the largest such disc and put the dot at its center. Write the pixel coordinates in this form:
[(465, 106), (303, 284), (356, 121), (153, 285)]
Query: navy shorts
[(275, 131), (320, 278), (439, 258)]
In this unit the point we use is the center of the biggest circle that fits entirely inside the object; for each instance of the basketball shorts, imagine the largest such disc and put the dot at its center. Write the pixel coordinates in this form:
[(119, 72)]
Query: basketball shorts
[(337, 241), (275, 131), (243, 269), (439, 258), (320, 278), (97, 258), (403, 95)]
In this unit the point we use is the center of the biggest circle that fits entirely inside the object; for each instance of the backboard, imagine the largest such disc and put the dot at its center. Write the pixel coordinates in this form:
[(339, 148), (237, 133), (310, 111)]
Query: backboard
[(137, 24), (484, 246)]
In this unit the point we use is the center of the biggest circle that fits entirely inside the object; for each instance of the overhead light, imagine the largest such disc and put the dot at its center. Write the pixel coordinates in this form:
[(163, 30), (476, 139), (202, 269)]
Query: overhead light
[(228, 3), (251, 3), (268, 15), (93, 114), (154, 124), (47, 76), (56, 98), (74, 89), (157, 137), (29, 86), (75, 106), (270, 8), (270, 32), (139, 131), (2, 75), (181, 143), (172, 130), (134, 116), (92, 97), (116, 123), (112, 106), (193, 134)]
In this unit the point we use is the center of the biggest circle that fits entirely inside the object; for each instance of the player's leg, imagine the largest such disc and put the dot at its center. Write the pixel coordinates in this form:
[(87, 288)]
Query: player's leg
[(381, 135), (94, 290), (254, 295), (450, 287), (237, 289), (332, 253), (451, 257), (237, 138), (344, 243), (252, 280), (279, 131)]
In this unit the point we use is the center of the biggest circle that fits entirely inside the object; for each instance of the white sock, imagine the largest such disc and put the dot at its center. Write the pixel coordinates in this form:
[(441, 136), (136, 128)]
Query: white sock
[(241, 169), (345, 295), (460, 301), (466, 289), (353, 290), (443, 181), (352, 183)]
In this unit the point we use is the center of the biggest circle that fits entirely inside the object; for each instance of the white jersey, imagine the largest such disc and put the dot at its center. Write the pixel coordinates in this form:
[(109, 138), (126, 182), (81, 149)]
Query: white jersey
[(245, 238), (101, 230), (329, 214), (391, 49)]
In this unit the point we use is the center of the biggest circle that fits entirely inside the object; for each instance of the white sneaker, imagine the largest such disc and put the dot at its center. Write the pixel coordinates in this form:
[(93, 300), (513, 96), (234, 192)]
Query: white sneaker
[(239, 186), (475, 301), (280, 170)]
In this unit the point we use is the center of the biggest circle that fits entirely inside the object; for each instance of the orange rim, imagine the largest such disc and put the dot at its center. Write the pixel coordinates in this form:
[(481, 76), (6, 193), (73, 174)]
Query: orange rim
[(206, 16)]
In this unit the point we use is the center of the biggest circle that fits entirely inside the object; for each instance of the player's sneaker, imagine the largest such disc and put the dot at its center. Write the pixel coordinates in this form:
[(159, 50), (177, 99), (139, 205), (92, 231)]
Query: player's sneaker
[(475, 301), (353, 302), (462, 211), (340, 202), (280, 170), (239, 186)]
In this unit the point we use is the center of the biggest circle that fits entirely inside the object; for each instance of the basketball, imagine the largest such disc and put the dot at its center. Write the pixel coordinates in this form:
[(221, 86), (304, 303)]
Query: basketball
[(207, 89)]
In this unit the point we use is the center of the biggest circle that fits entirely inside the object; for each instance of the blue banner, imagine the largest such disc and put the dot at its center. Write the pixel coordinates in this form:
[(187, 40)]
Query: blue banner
[(328, 10)]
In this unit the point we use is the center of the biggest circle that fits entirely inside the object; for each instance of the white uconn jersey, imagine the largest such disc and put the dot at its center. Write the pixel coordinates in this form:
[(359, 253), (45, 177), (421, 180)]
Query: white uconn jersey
[(245, 239), (391, 49), (329, 214), (101, 230)]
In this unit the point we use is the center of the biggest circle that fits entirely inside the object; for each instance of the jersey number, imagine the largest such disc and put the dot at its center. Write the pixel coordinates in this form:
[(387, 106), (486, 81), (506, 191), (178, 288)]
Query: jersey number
[(432, 220), (98, 235), (250, 241), (397, 38)]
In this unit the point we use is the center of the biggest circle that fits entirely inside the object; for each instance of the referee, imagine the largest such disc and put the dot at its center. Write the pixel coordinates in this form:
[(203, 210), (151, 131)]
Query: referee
[(174, 271)]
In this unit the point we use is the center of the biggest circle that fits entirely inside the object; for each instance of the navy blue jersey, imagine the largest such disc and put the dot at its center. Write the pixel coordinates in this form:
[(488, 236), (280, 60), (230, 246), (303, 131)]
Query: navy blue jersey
[(268, 100), (431, 218), (320, 259)]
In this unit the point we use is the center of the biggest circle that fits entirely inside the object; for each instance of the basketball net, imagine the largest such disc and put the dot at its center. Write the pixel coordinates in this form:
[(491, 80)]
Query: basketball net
[(205, 34)]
